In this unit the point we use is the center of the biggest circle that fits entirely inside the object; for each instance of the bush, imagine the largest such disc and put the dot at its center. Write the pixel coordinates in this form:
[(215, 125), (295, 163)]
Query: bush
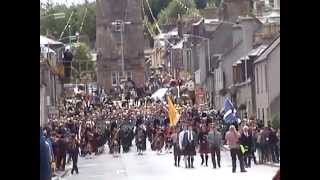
[(276, 121)]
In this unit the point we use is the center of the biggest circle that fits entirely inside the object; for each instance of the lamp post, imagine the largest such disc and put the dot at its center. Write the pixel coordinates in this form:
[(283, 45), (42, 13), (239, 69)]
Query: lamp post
[(119, 24)]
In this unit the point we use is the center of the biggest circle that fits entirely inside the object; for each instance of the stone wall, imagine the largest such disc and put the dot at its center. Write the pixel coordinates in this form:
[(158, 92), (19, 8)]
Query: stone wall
[(109, 40)]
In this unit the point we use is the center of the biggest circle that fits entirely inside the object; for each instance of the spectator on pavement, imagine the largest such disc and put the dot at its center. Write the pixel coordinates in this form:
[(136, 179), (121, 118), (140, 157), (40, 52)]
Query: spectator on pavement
[(246, 141), (274, 150), (74, 151), (232, 138), (45, 169), (62, 152)]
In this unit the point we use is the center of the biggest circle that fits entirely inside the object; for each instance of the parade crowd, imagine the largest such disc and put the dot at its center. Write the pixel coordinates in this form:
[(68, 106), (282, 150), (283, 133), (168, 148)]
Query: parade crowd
[(88, 123)]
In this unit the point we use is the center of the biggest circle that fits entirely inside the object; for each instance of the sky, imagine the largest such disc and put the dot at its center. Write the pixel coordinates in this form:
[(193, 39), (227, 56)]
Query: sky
[(67, 2)]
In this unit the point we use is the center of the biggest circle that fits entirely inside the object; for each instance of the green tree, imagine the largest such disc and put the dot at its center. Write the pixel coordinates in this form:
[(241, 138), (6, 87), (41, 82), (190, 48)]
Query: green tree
[(54, 27), (156, 7), (276, 121), (82, 64), (174, 8)]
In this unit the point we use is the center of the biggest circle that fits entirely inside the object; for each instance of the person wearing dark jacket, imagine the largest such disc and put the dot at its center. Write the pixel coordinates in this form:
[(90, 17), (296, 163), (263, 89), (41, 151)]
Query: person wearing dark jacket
[(253, 132), (62, 153), (273, 146), (45, 169), (74, 152), (141, 137), (246, 141)]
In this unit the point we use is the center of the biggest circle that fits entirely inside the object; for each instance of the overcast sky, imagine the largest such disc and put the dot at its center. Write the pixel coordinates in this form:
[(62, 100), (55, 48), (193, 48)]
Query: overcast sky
[(67, 2)]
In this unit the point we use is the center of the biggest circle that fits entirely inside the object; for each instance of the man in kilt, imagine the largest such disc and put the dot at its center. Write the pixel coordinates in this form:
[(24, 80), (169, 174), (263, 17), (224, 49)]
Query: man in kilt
[(158, 141), (204, 147), (141, 137), (176, 148), (187, 143)]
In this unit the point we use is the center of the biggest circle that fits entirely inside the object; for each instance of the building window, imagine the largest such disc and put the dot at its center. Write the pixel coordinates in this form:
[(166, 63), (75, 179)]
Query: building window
[(258, 114), (263, 114), (114, 78), (257, 79), (266, 78)]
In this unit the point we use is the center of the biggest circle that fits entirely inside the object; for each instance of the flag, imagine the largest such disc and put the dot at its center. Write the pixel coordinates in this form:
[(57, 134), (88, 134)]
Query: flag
[(230, 112), (172, 112), (60, 69)]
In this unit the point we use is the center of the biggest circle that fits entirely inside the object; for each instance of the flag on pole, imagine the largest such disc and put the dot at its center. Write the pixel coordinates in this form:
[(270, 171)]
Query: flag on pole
[(173, 115), (230, 112)]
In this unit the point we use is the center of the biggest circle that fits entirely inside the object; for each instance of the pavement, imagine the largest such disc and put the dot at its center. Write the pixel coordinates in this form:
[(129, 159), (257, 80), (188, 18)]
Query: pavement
[(153, 166), (61, 174)]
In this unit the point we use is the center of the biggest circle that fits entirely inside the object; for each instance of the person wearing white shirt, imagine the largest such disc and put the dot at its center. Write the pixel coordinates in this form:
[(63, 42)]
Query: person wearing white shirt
[(182, 144), (187, 145)]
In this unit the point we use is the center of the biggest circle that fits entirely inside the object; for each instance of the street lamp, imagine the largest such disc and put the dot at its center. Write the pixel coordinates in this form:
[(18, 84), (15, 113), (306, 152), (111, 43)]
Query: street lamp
[(119, 25)]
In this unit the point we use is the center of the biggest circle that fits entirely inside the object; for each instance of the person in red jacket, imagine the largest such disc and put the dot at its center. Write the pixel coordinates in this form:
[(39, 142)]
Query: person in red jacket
[(232, 138)]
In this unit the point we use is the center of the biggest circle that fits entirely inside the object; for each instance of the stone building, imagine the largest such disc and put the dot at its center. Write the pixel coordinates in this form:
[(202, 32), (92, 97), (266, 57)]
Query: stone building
[(242, 43), (109, 42), (50, 91), (267, 82)]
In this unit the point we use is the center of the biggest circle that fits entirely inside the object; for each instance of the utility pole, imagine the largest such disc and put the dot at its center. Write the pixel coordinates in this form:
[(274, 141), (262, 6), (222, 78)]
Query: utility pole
[(119, 24), (69, 34)]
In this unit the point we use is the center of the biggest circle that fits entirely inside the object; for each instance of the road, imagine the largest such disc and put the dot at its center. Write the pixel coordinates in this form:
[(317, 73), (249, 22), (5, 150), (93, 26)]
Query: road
[(152, 166)]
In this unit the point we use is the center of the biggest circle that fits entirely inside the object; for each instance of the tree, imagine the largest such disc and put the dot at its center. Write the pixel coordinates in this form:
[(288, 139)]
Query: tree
[(174, 8), (156, 7), (54, 27), (276, 121), (83, 64)]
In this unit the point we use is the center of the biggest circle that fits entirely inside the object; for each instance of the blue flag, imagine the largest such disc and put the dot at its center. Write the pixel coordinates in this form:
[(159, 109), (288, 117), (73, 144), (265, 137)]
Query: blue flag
[(229, 112)]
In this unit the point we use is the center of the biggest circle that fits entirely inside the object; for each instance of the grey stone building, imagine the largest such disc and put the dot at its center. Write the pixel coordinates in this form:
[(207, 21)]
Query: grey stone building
[(267, 83), (198, 59), (109, 42), (244, 82), (50, 91), (242, 43)]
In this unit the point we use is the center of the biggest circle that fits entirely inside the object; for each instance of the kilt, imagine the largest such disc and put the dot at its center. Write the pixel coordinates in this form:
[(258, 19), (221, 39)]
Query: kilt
[(176, 150), (159, 143), (141, 144), (190, 150), (204, 148)]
